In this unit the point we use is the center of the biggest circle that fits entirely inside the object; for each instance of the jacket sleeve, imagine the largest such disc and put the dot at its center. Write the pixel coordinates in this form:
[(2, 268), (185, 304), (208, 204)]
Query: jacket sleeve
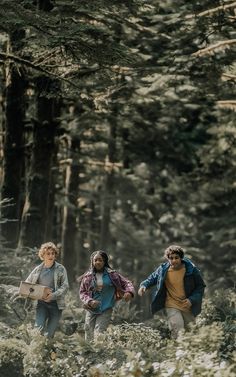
[(33, 276), (197, 293), (151, 279), (126, 285), (63, 285), (85, 292)]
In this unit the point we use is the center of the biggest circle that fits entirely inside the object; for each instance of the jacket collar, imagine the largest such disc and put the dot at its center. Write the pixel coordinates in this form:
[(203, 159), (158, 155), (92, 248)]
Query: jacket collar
[(189, 266), (56, 264), (90, 271)]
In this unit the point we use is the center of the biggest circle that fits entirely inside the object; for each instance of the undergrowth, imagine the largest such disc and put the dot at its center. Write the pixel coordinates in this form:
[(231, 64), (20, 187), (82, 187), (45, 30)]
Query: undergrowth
[(126, 349)]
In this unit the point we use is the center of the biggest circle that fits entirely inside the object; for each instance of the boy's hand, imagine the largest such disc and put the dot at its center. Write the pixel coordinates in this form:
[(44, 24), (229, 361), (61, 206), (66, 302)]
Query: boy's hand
[(141, 291), (48, 295), (127, 296), (187, 303)]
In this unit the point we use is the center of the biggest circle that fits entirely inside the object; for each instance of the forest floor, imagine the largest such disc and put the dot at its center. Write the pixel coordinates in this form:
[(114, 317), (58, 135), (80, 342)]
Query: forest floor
[(128, 348)]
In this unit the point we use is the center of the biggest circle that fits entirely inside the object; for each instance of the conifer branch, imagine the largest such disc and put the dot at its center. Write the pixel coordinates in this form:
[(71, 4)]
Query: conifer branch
[(229, 104), (36, 67), (209, 12), (214, 48), (227, 76), (214, 10)]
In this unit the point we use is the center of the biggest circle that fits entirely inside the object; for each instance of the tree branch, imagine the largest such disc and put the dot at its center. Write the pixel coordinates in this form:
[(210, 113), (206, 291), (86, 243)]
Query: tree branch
[(229, 104), (218, 46), (209, 12), (227, 76), (36, 67)]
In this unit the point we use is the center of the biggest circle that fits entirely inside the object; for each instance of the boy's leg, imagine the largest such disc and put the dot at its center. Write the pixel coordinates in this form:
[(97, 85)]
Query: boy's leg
[(175, 321), (41, 316), (102, 322), (188, 318), (89, 325), (53, 320)]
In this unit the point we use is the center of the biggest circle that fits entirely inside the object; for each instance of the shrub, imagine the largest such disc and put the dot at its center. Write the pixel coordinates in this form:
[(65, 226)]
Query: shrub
[(12, 352)]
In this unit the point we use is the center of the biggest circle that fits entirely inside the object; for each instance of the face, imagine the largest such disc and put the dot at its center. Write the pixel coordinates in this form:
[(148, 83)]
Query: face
[(98, 262), (49, 256), (175, 261)]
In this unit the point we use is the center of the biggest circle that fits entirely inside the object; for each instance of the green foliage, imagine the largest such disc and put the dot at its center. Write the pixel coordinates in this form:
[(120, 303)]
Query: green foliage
[(12, 352), (125, 312), (136, 337), (222, 309), (67, 40), (145, 81), (135, 349)]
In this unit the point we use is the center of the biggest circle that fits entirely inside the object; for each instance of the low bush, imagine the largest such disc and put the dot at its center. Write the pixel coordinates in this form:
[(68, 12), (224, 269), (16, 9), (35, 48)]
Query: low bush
[(126, 349), (12, 352)]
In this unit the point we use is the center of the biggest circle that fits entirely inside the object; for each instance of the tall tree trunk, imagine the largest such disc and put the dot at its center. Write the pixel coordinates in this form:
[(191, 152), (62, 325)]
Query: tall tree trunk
[(40, 185), (13, 168), (108, 191), (82, 254), (93, 231), (70, 210)]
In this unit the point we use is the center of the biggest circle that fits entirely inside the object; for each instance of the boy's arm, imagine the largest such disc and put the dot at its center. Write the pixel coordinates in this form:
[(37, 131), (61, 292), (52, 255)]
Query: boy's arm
[(29, 278), (198, 292), (64, 286), (32, 278), (151, 279)]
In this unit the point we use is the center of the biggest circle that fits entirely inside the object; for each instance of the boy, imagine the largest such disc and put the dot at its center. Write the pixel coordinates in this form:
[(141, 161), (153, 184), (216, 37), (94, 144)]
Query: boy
[(179, 289)]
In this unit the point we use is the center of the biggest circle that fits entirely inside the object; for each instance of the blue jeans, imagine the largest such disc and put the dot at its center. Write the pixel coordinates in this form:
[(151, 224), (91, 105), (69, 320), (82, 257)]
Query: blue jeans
[(47, 317)]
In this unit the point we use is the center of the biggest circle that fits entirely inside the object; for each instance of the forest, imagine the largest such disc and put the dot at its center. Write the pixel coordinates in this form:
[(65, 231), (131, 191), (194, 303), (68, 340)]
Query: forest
[(118, 132)]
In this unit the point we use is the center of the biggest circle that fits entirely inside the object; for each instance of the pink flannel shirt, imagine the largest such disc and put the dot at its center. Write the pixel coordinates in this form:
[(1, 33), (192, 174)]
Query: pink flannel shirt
[(121, 284)]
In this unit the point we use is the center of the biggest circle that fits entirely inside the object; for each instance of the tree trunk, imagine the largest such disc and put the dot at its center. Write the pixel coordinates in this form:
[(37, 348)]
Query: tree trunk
[(83, 256), (70, 211), (13, 168), (93, 229), (40, 185), (108, 192)]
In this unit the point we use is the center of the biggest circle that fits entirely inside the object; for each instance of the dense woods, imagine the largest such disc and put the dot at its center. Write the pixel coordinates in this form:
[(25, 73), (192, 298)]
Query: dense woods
[(118, 132)]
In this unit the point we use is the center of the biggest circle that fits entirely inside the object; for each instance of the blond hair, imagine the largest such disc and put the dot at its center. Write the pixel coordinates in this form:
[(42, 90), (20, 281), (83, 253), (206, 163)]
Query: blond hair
[(47, 246)]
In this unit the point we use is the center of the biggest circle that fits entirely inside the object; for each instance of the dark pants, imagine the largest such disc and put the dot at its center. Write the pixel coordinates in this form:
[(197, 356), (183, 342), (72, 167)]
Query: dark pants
[(47, 317)]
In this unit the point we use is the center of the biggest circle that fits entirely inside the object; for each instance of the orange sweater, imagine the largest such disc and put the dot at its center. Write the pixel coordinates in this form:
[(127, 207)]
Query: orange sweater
[(175, 293)]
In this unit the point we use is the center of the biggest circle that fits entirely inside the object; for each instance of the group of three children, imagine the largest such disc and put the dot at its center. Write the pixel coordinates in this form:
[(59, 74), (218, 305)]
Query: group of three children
[(179, 289)]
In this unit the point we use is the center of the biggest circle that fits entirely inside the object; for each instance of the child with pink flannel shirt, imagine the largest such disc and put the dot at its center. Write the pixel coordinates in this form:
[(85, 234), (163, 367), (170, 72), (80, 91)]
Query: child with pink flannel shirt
[(100, 288)]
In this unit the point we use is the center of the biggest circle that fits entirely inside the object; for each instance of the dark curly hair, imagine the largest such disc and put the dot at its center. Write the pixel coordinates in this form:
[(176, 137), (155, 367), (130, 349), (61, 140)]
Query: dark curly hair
[(104, 256), (174, 249)]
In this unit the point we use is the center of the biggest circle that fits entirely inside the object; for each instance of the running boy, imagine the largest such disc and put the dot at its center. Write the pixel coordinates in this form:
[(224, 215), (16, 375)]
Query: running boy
[(179, 289)]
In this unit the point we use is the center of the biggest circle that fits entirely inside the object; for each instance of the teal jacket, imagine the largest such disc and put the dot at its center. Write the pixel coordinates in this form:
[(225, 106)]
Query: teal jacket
[(60, 282), (193, 284)]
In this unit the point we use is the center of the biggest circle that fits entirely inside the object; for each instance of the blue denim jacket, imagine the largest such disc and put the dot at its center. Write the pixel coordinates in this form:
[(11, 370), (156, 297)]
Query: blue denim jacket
[(193, 285), (60, 282)]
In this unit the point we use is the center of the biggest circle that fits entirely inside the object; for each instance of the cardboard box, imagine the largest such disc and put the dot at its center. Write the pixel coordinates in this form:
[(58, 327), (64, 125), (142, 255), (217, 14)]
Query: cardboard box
[(33, 291)]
